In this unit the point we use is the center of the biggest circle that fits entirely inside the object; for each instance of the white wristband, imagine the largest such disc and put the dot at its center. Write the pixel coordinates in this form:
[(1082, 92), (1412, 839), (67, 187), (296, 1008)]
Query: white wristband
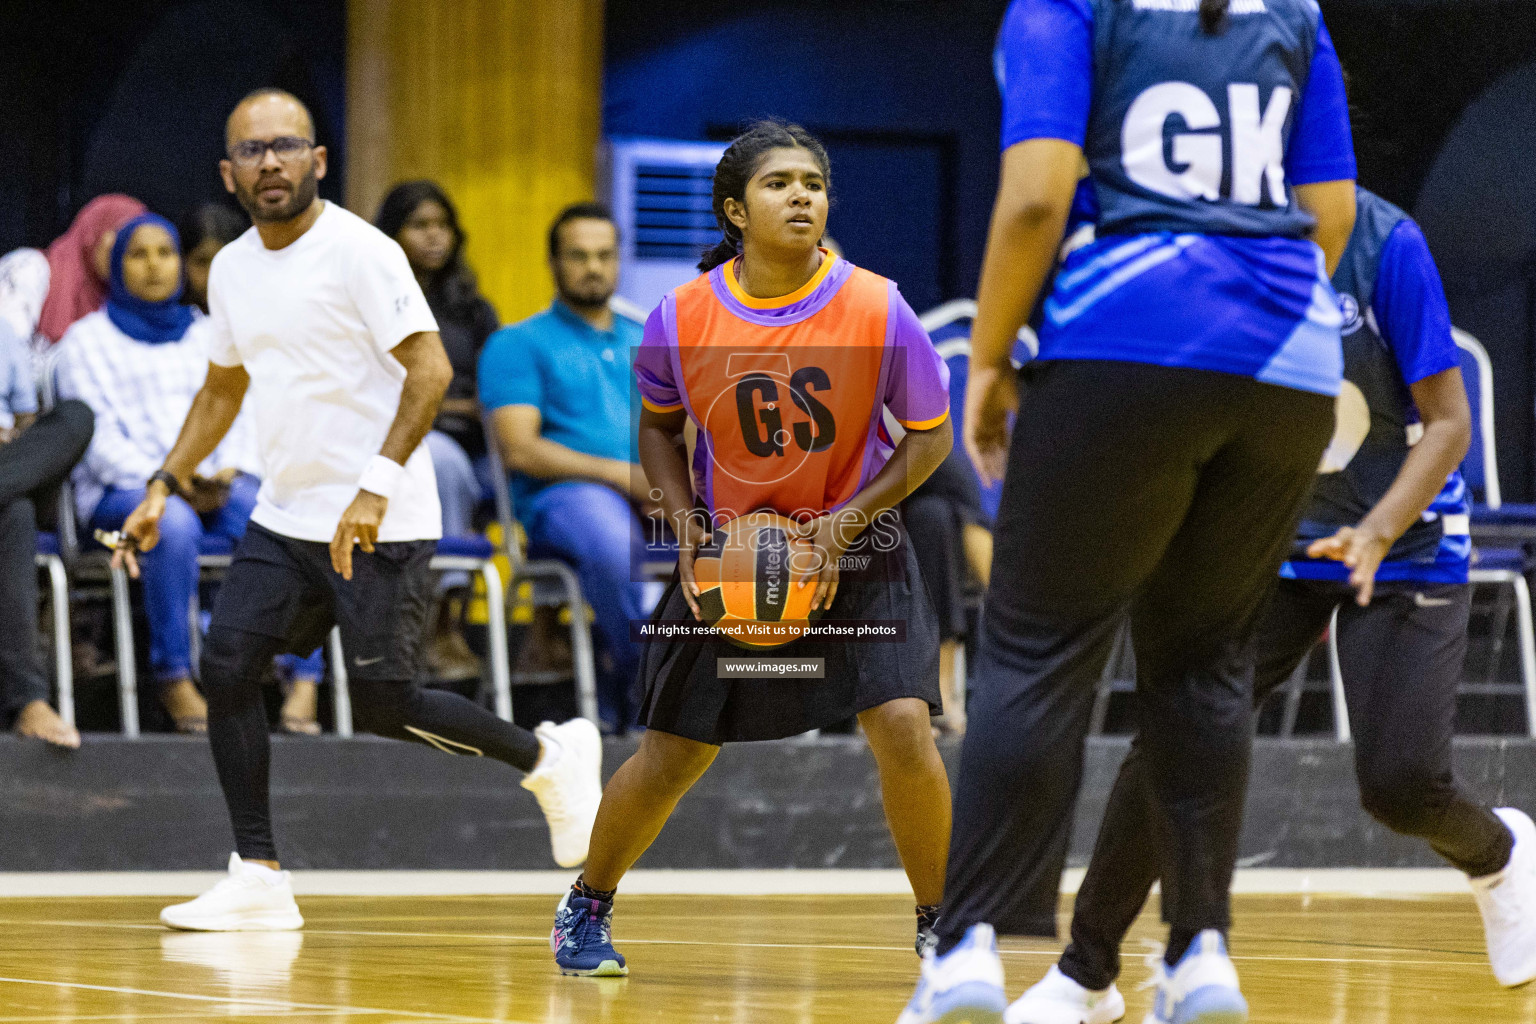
[(381, 477)]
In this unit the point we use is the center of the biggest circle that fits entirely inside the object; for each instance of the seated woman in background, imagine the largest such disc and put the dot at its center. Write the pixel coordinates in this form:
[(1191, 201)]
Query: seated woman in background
[(77, 263), (419, 215), (138, 362), (205, 229)]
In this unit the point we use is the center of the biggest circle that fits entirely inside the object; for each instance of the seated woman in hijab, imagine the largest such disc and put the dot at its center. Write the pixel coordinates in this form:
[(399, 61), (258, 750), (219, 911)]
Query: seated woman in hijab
[(77, 263), (138, 362)]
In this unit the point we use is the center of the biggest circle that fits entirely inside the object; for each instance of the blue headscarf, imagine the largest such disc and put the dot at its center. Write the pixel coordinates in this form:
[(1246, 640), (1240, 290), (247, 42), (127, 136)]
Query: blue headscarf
[(152, 322)]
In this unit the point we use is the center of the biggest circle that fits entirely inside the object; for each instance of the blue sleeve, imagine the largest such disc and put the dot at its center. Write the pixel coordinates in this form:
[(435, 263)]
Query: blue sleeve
[(1322, 148), (1410, 306), (18, 388), (1044, 64), (508, 372)]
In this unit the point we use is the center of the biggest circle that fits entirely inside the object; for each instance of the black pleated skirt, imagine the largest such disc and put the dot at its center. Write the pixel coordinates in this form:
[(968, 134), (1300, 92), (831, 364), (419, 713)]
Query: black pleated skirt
[(684, 695)]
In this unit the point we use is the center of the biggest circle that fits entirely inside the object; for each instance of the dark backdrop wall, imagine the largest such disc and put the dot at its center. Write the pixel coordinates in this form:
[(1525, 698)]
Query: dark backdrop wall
[(131, 96)]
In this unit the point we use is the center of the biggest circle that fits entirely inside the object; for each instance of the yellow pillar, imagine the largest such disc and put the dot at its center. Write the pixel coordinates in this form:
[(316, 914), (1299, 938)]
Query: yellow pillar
[(499, 101)]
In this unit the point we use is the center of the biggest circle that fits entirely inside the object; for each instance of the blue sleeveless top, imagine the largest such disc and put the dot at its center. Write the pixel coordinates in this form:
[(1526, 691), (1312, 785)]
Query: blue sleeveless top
[(1397, 331), (1193, 142)]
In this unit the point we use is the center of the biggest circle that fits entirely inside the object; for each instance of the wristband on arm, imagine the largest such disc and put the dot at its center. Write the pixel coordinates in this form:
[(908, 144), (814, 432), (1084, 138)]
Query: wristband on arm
[(381, 477), (171, 483)]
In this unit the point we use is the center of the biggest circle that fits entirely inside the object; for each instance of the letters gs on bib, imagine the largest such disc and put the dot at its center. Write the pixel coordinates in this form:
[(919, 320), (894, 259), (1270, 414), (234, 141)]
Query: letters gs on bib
[(760, 410), (1175, 142)]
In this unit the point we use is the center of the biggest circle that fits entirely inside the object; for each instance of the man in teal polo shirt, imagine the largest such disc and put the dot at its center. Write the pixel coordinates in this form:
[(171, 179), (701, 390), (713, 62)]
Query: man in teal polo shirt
[(559, 390)]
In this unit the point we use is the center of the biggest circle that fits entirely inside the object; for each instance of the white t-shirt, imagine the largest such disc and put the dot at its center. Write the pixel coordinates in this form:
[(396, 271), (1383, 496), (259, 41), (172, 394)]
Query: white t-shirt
[(313, 324)]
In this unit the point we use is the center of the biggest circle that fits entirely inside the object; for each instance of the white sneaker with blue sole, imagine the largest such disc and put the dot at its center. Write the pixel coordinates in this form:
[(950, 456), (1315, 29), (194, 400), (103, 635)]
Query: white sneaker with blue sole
[(1201, 989), (965, 986)]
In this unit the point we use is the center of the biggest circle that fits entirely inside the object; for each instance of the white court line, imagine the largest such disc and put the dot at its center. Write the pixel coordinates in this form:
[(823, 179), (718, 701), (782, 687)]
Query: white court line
[(1133, 949), (277, 1004), (1368, 882)]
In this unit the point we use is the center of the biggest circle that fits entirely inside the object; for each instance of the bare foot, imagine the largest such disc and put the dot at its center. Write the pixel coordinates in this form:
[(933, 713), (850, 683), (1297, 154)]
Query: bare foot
[(39, 721), (186, 706), (300, 713)]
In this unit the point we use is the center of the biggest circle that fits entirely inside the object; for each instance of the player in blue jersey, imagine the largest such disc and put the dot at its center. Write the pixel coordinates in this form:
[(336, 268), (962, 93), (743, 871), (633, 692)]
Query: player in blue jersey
[(1168, 436), (1384, 543)]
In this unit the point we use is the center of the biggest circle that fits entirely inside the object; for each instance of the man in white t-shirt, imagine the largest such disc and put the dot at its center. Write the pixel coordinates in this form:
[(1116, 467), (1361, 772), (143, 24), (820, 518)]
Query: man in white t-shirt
[(321, 330)]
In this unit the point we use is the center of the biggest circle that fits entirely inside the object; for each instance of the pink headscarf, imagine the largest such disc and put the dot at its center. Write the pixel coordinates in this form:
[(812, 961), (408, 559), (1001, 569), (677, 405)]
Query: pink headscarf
[(73, 288)]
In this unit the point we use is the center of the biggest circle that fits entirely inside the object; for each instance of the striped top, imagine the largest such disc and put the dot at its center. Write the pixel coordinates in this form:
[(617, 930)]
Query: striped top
[(141, 394)]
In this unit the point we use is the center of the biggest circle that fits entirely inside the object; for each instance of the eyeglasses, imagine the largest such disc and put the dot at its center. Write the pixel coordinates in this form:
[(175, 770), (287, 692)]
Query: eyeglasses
[(287, 148)]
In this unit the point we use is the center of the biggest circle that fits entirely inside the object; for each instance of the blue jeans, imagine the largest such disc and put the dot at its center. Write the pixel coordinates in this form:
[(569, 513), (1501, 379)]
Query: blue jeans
[(458, 492), (169, 572), (594, 530)]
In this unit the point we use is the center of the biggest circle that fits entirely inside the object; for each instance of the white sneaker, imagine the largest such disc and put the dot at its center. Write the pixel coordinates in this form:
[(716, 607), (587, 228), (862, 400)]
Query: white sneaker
[(1202, 989), (251, 899), (965, 986), (1507, 901), (569, 785), (1057, 999)]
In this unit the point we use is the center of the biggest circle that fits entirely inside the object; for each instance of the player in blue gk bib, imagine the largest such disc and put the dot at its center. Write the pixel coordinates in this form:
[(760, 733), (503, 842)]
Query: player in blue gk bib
[(1164, 444)]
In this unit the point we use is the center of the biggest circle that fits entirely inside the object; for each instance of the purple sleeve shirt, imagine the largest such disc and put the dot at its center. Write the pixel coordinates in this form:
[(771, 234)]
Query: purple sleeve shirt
[(654, 366), (917, 389)]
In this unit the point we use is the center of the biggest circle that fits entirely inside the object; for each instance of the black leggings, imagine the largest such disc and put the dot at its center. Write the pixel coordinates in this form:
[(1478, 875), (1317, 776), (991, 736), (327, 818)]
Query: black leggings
[(232, 669), (1172, 494), (1400, 658)]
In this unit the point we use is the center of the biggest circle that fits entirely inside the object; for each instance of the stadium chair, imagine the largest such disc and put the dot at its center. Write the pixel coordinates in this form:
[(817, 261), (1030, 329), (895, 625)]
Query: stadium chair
[(1502, 567), (554, 585), (1496, 522), (91, 568), (49, 558)]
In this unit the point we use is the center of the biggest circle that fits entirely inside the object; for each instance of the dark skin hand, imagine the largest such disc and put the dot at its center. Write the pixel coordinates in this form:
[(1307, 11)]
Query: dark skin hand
[(213, 411), (23, 420), (427, 375), (665, 459), (1442, 403)]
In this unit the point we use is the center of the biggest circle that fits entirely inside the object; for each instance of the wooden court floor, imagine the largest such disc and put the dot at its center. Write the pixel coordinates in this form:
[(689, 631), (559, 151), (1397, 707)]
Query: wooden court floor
[(737, 960)]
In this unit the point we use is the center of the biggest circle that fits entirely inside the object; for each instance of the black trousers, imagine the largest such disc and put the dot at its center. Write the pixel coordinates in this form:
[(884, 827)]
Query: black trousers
[(1400, 658), (281, 595), (1169, 493), (31, 469)]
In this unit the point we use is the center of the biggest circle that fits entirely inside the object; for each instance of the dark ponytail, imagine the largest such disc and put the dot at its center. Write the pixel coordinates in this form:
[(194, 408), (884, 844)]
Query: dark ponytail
[(740, 162), (1212, 14)]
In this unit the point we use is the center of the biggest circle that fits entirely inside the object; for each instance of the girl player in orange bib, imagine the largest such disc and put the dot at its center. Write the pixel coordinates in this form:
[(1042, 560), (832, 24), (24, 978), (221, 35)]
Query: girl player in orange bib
[(785, 357)]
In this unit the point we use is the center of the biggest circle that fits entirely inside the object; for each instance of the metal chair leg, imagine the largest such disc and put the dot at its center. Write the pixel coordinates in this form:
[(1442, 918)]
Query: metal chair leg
[(127, 670), (339, 690), (1294, 687), (1527, 648), (63, 665), (585, 665), (1336, 677), (195, 633), (496, 614), (1499, 628)]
